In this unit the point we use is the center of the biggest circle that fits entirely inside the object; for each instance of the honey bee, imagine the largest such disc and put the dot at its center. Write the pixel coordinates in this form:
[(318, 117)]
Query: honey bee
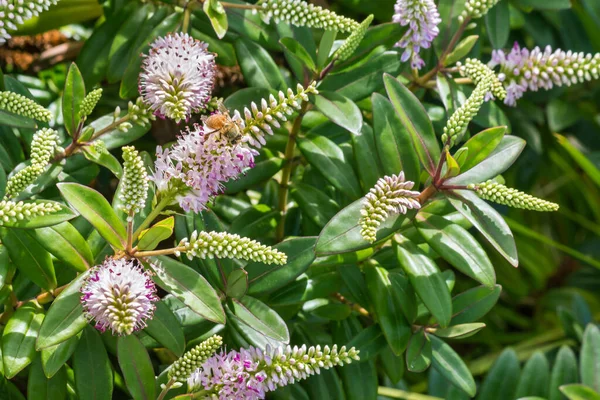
[(222, 123)]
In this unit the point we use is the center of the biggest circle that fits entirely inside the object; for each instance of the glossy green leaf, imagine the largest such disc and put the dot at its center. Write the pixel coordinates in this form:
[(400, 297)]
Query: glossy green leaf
[(325, 46), (367, 160), (497, 22), (41, 387), (217, 16), (582, 161), (473, 304), (535, 377), (369, 342), (415, 121), (65, 317), (461, 50), (564, 372), (451, 366), (579, 392), (589, 362), (460, 331), (165, 328), (73, 94), (546, 4), (404, 290), (259, 317), (426, 279), (160, 231), (267, 278), (16, 121), (29, 257), (96, 209), (258, 67), (501, 381), (387, 307), (136, 367), (262, 171), (18, 338), (487, 221), (328, 158), (189, 287), (65, 243), (339, 109), (38, 221), (53, 358), (456, 245), (393, 141), (93, 374), (481, 145), (315, 204), (255, 221), (237, 284), (419, 352), (104, 159), (296, 50)]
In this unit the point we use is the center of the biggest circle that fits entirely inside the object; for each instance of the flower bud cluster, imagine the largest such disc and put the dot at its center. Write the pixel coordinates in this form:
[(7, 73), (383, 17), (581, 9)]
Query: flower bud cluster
[(260, 120), (11, 212), (498, 193), (89, 103), (351, 44), (135, 182), (13, 13), (390, 195), (301, 13), (229, 245), (193, 359), (476, 8), (21, 105), (477, 71)]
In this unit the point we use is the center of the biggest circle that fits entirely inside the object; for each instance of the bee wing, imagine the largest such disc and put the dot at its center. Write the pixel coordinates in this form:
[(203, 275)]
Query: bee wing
[(222, 108)]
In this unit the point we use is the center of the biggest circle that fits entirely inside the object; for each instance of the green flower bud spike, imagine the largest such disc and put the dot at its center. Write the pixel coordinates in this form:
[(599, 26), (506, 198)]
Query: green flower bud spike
[(351, 44), (11, 212), (228, 245), (477, 8), (193, 359), (21, 105), (301, 13), (498, 193), (43, 146), (478, 71), (89, 103), (135, 182), (390, 195)]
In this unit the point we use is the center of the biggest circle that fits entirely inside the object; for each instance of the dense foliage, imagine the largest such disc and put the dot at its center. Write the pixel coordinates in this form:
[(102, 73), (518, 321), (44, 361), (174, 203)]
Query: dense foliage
[(285, 199)]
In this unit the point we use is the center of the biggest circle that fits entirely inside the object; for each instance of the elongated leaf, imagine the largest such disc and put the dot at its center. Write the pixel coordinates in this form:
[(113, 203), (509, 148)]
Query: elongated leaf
[(340, 110), (456, 245), (481, 145), (16, 121), (415, 120), (41, 387), (497, 21), (451, 366), (535, 377), (96, 209), (426, 278), (18, 338), (65, 317), (579, 392), (258, 67), (93, 375), (460, 331), (53, 358), (589, 363), (315, 204), (66, 243), (418, 353), (164, 327), (393, 141), (389, 314), (217, 16), (29, 257), (296, 50), (368, 166), (162, 230), (564, 372), (137, 367), (487, 221), (473, 304), (104, 159), (501, 381), (329, 159), (72, 96), (188, 286), (258, 316)]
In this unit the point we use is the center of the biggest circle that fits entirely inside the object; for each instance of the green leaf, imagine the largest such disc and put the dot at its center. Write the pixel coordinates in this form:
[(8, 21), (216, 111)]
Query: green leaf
[(415, 121), (325, 46), (262, 171), (342, 233), (419, 352), (188, 286), (535, 377), (96, 209), (136, 367), (18, 338), (404, 290), (16, 121), (473, 304), (329, 159), (41, 387), (267, 278), (65, 243), (393, 141), (368, 166), (579, 392), (165, 328), (29, 257), (501, 381), (451, 366), (426, 279), (564, 372), (503, 156), (487, 221), (259, 317), (369, 342), (38, 221), (315, 204), (255, 221), (93, 374), (71, 100), (497, 22), (388, 312), (65, 317), (582, 161), (104, 159), (456, 245), (462, 49), (339, 109), (460, 331), (292, 47), (150, 238), (53, 358), (237, 284), (258, 67), (589, 362), (481, 145), (385, 35), (217, 16), (546, 4)]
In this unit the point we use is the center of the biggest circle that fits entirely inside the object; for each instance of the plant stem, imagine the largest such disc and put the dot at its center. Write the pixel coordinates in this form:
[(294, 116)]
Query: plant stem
[(110, 127), (240, 6), (163, 252), (401, 394), (167, 387), (426, 194), (153, 214), (287, 171), (356, 307), (129, 232), (185, 26)]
